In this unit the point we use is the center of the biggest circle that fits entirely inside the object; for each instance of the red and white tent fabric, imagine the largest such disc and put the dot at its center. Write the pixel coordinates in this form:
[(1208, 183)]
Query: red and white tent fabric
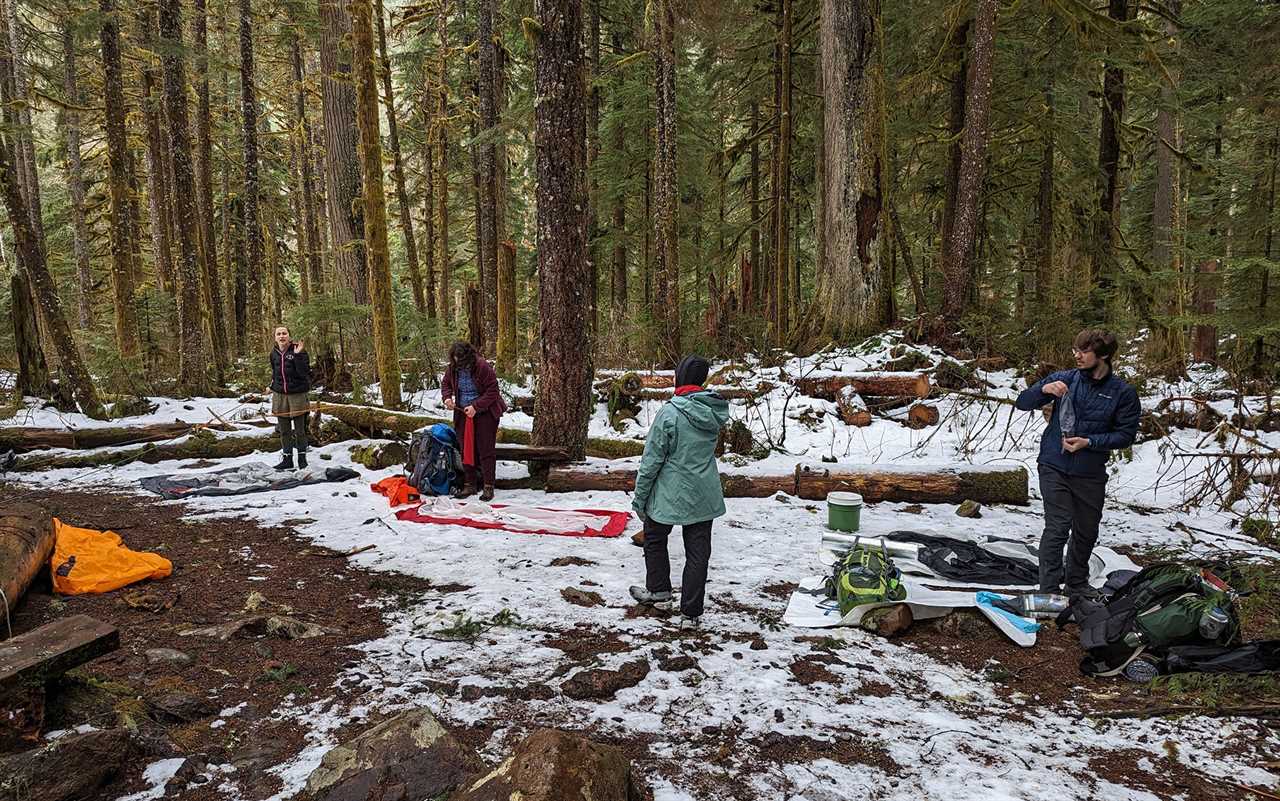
[(518, 518)]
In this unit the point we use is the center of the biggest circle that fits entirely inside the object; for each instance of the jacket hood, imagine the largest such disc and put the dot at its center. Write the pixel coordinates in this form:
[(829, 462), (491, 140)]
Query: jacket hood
[(705, 410)]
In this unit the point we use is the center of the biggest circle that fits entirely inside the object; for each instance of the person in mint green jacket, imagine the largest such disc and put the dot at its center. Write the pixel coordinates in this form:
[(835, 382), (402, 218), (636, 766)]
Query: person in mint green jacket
[(678, 484)]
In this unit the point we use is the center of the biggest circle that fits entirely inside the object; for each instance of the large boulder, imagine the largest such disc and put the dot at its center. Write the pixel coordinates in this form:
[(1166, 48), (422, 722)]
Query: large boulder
[(552, 765), (410, 756), (71, 767)]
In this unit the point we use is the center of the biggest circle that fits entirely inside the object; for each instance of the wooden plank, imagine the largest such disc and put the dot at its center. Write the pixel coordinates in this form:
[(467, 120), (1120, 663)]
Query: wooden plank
[(33, 658)]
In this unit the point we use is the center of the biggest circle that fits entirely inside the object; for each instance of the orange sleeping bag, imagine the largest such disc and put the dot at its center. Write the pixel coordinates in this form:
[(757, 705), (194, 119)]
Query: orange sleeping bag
[(87, 561)]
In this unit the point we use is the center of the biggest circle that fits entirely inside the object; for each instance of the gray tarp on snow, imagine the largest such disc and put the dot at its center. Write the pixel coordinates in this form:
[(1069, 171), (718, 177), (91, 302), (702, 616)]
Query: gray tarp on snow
[(254, 477)]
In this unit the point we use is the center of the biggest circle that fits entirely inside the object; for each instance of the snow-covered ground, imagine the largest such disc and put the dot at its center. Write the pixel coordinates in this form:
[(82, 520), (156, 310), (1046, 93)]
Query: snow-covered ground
[(947, 729)]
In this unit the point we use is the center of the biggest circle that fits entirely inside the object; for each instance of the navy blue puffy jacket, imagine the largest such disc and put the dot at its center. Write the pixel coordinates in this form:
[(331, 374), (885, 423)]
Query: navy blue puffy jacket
[(1107, 413)]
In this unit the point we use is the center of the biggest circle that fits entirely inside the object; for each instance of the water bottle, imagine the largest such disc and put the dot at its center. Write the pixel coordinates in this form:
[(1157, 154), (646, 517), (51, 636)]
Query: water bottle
[(1213, 623), (1041, 605)]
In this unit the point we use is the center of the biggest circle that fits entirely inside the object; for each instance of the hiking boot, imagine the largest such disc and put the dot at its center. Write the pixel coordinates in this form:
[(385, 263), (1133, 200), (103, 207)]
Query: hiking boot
[(487, 495), (658, 600), (302, 459), (638, 539), (286, 462), (690, 623), (466, 492)]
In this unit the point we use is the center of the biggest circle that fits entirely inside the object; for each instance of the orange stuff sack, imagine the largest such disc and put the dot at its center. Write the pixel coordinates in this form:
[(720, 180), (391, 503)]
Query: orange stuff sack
[(89, 561), (397, 489)]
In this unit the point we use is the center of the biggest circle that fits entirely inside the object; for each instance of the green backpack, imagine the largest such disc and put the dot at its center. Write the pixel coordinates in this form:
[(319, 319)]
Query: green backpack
[(864, 575)]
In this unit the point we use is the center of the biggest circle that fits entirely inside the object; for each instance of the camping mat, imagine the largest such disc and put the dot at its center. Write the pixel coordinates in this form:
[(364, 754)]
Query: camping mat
[(1102, 562), (518, 518), (253, 477), (810, 607)]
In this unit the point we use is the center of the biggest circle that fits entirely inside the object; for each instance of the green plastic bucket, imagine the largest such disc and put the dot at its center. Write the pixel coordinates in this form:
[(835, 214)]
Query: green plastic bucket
[(844, 511)]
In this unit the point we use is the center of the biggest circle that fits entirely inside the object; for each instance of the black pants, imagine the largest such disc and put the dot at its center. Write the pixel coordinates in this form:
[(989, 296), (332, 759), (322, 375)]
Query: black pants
[(293, 432), (697, 554), (1072, 512)]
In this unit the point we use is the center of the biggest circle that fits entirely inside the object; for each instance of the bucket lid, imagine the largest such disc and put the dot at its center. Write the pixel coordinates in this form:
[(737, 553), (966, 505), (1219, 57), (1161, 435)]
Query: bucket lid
[(844, 498)]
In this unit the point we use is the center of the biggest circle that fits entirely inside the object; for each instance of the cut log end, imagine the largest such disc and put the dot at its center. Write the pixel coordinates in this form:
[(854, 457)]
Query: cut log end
[(922, 415)]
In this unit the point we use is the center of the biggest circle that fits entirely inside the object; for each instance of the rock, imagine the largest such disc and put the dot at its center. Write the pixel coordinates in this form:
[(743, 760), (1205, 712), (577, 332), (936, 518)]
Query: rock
[(570, 561), (380, 457), (168, 656), (677, 664), (72, 767), (552, 765), (912, 509), (600, 683), (581, 597), (969, 509), (888, 621), (182, 707), (409, 756)]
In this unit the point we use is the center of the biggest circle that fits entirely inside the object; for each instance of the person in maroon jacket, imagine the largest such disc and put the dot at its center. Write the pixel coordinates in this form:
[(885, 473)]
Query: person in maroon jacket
[(470, 389)]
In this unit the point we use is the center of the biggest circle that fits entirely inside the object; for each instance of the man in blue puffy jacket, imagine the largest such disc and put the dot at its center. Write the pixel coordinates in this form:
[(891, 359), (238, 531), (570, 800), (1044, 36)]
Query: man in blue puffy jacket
[(1094, 413)]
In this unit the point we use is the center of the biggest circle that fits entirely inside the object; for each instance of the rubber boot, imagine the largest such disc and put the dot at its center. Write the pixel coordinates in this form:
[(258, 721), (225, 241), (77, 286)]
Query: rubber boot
[(286, 461), (302, 459)]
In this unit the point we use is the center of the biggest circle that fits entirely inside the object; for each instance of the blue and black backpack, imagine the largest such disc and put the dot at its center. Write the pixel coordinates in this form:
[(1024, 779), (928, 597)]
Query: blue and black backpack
[(435, 461)]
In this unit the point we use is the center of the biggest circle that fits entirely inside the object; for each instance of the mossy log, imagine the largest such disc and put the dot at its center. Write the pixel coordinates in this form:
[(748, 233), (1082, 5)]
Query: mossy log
[(369, 419), (922, 484), (23, 439), (915, 385)]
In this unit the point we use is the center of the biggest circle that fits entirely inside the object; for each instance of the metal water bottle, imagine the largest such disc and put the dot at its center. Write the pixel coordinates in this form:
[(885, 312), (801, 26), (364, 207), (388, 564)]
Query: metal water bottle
[(1041, 604), (1213, 623)]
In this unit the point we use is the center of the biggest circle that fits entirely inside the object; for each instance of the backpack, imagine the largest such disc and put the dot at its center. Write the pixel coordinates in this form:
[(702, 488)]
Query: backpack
[(1163, 606), (864, 575), (434, 466)]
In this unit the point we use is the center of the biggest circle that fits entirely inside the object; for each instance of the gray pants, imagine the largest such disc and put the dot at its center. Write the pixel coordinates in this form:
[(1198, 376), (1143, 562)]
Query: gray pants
[(291, 420), (1072, 512)]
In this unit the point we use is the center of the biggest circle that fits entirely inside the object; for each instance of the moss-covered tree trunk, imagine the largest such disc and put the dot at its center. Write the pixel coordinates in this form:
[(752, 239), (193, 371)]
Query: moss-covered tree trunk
[(75, 179), (385, 348), (210, 274), (341, 160), (666, 183), (440, 135)]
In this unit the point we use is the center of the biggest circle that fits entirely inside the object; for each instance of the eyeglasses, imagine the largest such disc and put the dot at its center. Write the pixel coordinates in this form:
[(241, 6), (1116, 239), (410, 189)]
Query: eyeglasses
[(1078, 352)]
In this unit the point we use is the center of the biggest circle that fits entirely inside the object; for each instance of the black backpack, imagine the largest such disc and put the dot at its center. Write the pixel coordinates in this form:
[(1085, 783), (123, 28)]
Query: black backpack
[(435, 462)]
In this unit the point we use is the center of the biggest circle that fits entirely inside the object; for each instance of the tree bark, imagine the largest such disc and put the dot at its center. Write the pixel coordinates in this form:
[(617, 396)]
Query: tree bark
[(161, 214), (1108, 219), (487, 257), (751, 299), (1167, 349), (385, 346), (26, 545), (33, 370), (854, 216), (115, 110), (31, 256), (253, 253), (397, 161), (666, 183), (564, 403), (506, 307), (959, 46), (619, 221), (972, 164), (23, 440), (814, 482), (593, 157), (204, 194), (782, 179), (1258, 366), (75, 179), (440, 134), (883, 385), (1044, 202), (193, 353), (342, 164), (23, 90)]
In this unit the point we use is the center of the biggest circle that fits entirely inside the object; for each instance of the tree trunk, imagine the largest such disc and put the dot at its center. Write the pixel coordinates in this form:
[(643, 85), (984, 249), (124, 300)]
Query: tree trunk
[(75, 180), (385, 346), (506, 307), (23, 87), (33, 370), (204, 194), (1044, 203), (309, 242), (1108, 220), (959, 46), (31, 256), (593, 157), (751, 299), (565, 402), (441, 187), (22, 440), (1258, 367), (1167, 349), (115, 110), (486, 165), (973, 146), (193, 355), (429, 220), (782, 179), (342, 164), (26, 545), (619, 222), (936, 484), (253, 254), (853, 161), (157, 166), (397, 161), (666, 183)]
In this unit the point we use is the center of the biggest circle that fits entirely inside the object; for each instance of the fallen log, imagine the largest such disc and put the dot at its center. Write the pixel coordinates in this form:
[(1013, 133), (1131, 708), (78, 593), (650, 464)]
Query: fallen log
[(370, 419), (204, 444), (26, 543), (852, 408), (879, 384), (644, 380), (53, 649), (22, 439), (922, 415), (923, 484)]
